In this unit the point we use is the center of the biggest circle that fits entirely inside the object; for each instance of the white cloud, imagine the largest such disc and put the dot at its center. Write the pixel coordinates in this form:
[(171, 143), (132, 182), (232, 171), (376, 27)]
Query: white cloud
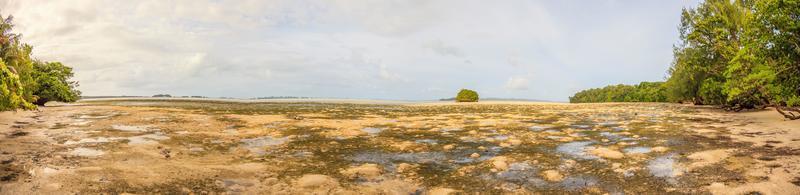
[(439, 47), (517, 83)]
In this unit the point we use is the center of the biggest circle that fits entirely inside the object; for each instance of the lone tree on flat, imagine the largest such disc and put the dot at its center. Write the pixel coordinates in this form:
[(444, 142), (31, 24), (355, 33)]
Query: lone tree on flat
[(466, 95)]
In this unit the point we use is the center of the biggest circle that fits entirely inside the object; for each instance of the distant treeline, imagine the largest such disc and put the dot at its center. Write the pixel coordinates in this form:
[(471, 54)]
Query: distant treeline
[(26, 82), (643, 92), (281, 97), (736, 54)]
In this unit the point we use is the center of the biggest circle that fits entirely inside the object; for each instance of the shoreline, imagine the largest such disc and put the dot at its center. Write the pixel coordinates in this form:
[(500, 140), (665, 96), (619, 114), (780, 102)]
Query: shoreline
[(350, 101)]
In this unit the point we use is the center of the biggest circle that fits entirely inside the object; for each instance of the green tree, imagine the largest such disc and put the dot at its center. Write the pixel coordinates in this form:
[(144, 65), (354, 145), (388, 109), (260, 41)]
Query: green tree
[(24, 80), (466, 95), (11, 90), (52, 83), (642, 92), (710, 37)]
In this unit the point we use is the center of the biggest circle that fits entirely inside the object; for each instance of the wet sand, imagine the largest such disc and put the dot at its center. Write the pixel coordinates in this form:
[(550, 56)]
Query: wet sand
[(206, 147)]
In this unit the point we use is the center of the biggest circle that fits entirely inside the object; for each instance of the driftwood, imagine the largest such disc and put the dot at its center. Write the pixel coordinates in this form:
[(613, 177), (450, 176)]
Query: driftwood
[(788, 112)]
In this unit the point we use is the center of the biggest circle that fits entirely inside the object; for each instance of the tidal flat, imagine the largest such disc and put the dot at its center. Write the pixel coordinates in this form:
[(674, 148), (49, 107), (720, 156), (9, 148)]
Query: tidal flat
[(210, 147)]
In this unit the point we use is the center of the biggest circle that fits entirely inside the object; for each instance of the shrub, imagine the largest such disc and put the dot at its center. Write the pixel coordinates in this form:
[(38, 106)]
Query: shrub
[(11, 90), (53, 84), (466, 95)]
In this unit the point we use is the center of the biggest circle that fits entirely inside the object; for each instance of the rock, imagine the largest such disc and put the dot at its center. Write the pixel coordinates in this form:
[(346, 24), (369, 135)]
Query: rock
[(500, 163), (481, 148), (365, 171), (449, 147), (552, 175), (475, 155), (404, 167), (659, 149), (515, 142), (442, 191), (6, 159), (166, 152), (566, 139), (314, 180), (568, 164), (607, 153), (405, 145)]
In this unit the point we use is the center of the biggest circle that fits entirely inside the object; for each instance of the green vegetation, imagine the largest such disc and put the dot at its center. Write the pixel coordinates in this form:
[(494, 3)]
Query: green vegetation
[(736, 54), (643, 92), (25, 81), (466, 95)]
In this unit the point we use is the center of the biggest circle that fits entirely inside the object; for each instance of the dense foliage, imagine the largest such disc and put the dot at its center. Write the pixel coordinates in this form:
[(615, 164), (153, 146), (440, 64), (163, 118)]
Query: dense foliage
[(643, 92), (736, 54), (466, 95), (25, 81)]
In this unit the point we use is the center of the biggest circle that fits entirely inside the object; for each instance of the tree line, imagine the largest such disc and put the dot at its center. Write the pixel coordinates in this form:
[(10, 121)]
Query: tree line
[(739, 54), (26, 82), (642, 92)]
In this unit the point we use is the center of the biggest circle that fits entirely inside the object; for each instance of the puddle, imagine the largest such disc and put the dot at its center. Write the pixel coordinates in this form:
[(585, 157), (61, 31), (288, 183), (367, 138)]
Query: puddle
[(637, 150), (427, 141), (578, 183), (500, 137), (372, 130), (464, 158), (608, 124), (130, 128), (89, 140), (538, 128), (552, 131), (390, 158), (576, 150), (146, 139), (86, 152), (258, 145), (582, 126), (665, 167), (520, 173), (615, 137)]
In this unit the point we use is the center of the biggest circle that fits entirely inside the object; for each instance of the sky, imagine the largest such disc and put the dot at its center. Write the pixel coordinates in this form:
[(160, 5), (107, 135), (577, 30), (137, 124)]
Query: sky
[(399, 50)]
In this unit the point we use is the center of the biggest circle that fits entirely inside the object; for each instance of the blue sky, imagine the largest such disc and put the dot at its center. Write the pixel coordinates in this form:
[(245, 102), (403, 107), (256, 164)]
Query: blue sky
[(409, 50)]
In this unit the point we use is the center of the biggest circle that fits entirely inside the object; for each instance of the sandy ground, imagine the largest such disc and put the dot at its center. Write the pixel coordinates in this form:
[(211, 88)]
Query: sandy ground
[(766, 129), (144, 148)]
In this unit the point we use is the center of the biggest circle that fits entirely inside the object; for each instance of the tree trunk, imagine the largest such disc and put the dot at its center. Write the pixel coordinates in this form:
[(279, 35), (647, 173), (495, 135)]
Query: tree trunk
[(788, 112)]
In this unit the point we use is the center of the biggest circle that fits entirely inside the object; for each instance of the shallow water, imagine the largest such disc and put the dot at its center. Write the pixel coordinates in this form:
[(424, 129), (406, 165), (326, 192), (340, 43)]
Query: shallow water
[(533, 140), (664, 167), (259, 145), (637, 150), (577, 150), (131, 128), (372, 130), (147, 139), (86, 152)]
